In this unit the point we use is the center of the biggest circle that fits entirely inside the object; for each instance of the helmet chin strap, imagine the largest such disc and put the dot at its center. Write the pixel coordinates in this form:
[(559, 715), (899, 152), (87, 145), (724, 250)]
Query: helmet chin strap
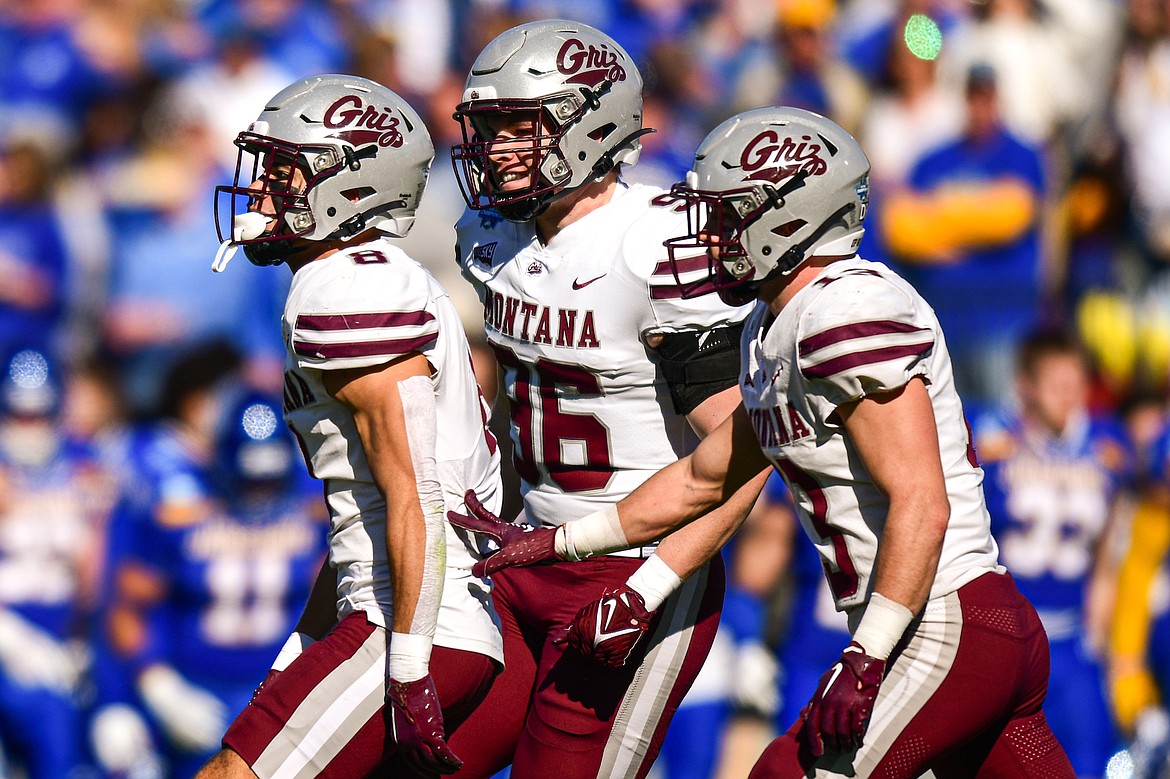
[(245, 227), (795, 255)]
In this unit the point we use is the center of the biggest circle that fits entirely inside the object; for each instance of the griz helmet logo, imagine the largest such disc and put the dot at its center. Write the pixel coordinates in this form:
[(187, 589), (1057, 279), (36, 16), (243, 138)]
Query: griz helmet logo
[(588, 64), (369, 124), (769, 158)]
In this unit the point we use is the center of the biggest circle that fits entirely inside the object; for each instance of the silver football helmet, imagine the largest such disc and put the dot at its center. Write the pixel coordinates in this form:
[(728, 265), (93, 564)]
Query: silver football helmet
[(583, 94), (769, 188), (333, 155)]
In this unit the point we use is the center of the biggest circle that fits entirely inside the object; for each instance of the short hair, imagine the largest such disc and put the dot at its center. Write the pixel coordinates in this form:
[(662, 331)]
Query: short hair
[(196, 370), (1046, 342)]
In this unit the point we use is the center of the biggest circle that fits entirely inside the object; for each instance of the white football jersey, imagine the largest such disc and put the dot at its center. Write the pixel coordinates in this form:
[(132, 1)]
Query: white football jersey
[(592, 417), (858, 329), (363, 306)]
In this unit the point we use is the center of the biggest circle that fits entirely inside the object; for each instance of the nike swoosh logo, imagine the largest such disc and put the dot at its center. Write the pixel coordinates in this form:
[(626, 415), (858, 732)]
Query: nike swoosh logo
[(604, 617), (583, 284), (832, 678)]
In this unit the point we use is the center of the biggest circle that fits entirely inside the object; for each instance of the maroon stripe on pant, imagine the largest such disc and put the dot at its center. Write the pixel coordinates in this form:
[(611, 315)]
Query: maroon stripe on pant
[(984, 720), (706, 626), (462, 680), (564, 731), (262, 719)]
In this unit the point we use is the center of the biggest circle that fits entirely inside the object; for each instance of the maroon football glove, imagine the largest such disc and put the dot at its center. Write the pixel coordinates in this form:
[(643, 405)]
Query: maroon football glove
[(838, 714), (607, 630), (519, 544), (416, 723)]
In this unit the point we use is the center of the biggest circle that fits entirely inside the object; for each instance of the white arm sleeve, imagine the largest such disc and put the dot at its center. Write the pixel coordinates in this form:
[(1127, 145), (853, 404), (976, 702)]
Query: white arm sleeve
[(418, 404)]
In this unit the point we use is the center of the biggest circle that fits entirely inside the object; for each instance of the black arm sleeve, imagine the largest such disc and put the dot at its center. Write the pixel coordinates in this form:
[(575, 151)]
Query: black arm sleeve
[(699, 364)]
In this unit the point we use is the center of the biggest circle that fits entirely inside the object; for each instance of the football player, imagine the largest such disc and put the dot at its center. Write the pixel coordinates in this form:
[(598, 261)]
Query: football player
[(165, 489), (377, 356), (609, 375), (1052, 475), (205, 599), (847, 391), (50, 525), (1140, 632)]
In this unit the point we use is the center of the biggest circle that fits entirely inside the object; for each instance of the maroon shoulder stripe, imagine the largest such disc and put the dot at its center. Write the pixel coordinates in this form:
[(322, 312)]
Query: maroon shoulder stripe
[(391, 347), (868, 357), (362, 321), (854, 330)]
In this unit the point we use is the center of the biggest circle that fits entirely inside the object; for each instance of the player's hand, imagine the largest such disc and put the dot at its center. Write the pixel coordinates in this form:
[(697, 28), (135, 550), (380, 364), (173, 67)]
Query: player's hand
[(839, 712), (607, 630), (34, 658), (519, 544), (755, 690), (193, 719), (416, 723), (122, 744), (1134, 690)]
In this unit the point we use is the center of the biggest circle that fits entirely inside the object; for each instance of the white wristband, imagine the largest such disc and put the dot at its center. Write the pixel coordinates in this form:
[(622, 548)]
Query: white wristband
[(409, 656), (591, 535), (882, 626), (296, 643), (654, 581)]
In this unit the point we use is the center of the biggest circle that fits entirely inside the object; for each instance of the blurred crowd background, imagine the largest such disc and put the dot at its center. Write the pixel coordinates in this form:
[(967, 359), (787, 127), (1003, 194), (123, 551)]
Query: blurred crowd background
[(157, 541)]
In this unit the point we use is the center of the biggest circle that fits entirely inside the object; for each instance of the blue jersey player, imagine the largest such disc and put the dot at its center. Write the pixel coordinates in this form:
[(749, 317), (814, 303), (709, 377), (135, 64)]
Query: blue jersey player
[(1140, 640), (221, 560), (1052, 472), (49, 521)]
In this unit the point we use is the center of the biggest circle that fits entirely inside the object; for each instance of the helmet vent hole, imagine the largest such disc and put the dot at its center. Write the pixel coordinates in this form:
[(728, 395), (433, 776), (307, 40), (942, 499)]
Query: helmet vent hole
[(832, 147), (354, 196), (332, 211), (603, 132), (787, 229)]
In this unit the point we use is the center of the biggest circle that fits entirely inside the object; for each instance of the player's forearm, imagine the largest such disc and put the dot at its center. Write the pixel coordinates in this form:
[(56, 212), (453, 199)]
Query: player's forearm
[(406, 543), (690, 547), (646, 515), (666, 501), (679, 493), (1149, 540), (416, 534), (911, 545)]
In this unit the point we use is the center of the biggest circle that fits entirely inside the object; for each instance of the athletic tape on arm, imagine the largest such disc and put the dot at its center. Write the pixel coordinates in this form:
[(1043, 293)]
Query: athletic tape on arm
[(594, 534), (418, 405)]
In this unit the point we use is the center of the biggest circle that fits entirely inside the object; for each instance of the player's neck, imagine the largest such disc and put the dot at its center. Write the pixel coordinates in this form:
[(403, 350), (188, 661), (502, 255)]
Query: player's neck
[(319, 250), (779, 291), (575, 205)]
